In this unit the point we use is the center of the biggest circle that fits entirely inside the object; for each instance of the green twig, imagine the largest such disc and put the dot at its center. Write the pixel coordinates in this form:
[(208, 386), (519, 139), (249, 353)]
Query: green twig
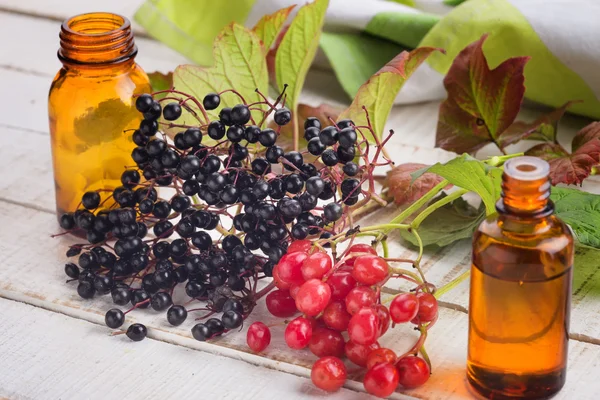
[(452, 284)]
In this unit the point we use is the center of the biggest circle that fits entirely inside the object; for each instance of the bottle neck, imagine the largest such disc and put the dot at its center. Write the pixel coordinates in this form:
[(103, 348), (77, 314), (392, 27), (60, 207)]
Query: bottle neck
[(96, 40), (525, 186)]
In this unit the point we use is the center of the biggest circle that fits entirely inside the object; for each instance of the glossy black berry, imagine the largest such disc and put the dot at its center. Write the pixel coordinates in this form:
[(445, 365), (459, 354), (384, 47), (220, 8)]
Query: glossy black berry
[(218, 278), (161, 301), (311, 133), (240, 114), (154, 111), (346, 154), (235, 133), (252, 133), (190, 187), (136, 332), (328, 191), (172, 111), (91, 200), (267, 137), (211, 101), (67, 221), (216, 130), (86, 289), (143, 103), (178, 248), (282, 116), (225, 116), (72, 270), (176, 315), (232, 319), (315, 146), (329, 157), (273, 154), (215, 326), (329, 135), (114, 318), (103, 284), (201, 332), (349, 186), (180, 203), (121, 295), (345, 123), (294, 183), (312, 122), (148, 128), (156, 147), (350, 168), (139, 298), (332, 212), (347, 137), (233, 305), (261, 166), (162, 209), (299, 231), (294, 158)]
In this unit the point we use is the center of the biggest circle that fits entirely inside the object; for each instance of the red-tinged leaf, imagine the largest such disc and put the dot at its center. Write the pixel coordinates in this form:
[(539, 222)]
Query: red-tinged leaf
[(269, 26), (481, 103), (271, 58), (324, 112), (404, 189), (543, 128), (377, 95), (572, 168)]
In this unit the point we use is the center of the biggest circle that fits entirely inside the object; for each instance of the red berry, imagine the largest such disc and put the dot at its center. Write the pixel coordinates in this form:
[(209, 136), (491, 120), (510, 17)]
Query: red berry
[(258, 336), (328, 373), (384, 318), (357, 249), (298, 333), (370, 269), (300, 245), (341, 283), (381, 380), (313, 296), (404, 307), (379, 356), (294, 290), (278, 282), (413, 371), (359, 297), (326, 342), (335, 316), (289, 267), (363, 327), (281, 304), (358, 353), (428, 308), (316, 266)]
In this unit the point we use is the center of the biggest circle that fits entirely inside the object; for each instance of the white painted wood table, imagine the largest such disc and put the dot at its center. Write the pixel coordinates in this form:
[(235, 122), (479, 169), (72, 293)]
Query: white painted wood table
[(54, 345)]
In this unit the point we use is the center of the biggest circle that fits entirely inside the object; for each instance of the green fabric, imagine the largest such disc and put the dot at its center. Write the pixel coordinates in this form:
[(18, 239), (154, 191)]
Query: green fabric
[(190, 26), (405, 29), (547, 79), (355, 57)]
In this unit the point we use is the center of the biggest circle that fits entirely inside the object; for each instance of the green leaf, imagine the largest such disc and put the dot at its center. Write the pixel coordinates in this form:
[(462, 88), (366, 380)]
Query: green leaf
[(269, 26), (298, 48), (581, 210), (377, 95), (239, 64), (160, 81), (481, 103), (476, 176), (447, 224)]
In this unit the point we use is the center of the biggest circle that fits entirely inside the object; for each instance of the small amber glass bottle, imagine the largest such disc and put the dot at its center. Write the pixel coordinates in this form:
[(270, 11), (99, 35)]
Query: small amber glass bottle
[(520, 291), (91, 106)]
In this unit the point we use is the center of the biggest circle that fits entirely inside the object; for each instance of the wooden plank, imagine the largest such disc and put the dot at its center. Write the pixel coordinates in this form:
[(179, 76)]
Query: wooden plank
[(48, 355)]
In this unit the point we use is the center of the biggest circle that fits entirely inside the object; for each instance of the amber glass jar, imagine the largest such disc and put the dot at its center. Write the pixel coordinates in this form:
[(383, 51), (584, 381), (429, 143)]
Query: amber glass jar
[(520, 291), (91, 106)]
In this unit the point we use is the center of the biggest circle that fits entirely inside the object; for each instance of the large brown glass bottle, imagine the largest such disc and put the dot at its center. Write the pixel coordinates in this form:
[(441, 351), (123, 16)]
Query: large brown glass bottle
[(520, 291), (91, 106)]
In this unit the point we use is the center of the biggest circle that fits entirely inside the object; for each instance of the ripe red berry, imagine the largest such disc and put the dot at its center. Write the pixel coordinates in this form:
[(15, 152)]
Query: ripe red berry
[(341, 282), (381, 380), (358, 353), (413, 371), (278, 282), (289, 267), (335, 316), (298, 333), (328, 373), (404, 307), (370, 269), (363, 327), (294, 290), (357, 249), (384, 318), (428, 308), (359, 297), (312, 297), (316, 266), (281, 304), (378, 356), (258, 337), (300, 245), (326, 342)]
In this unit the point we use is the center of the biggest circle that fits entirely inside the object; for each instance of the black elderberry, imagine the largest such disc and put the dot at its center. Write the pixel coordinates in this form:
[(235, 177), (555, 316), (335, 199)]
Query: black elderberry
[(195, 289), (211, 198), (102, 224), (91, 200), (277, 233), (276, 188), (156, 147), (142, 230), (235, 133), (275, 254), (163, 229), (261, 166), (86, 289), (312, 122), (72, 270), (137, 332), (346, 154), (273, 154), (261, 189), (236, 283), (351, 200), (185, 228), (240, 114), (172, 111), (282, 116), (309, 170), (180, 203), (289, 207), (164, 179), (252, 240), (143, 102), (190, 187), (215, 326), (329, 135), (307, 201), (229, 242), (218, 278), (252, 133), (67, 221), (225, 116), (129, 178), (216, 130), (161, 301), (149, 285), (328, 191), (103, 284), (146, 206), (329, 157), (350, 168), (294, 183), (107, 260), (139, 298), (169, 159), (178, 247), (211, 101), (200, 219), (311, 133), (201, 332), (176, 315), (233, 305), (121, 295), (216, 182), (332, 212), (267, 137), (247, 196), (84, 219), (295, 158), (237, 153), (162, 209), (202, 240), (114, 318), (315, 146), (139, 138), (345, 123), (299, 231), (153, 112), (180, 142), (349, 186), (315, 185), (148, 128), (347, 137), (164, 265), (88, 260), (232, 319), (268, 268), (148, 172)]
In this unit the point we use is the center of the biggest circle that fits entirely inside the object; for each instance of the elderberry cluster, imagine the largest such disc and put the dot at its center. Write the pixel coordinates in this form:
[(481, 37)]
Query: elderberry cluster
[(142, 246)]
